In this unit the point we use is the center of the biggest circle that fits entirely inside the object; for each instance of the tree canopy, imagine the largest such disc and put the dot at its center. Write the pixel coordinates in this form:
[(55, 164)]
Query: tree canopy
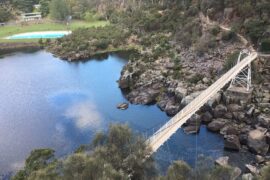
[(59, 10)]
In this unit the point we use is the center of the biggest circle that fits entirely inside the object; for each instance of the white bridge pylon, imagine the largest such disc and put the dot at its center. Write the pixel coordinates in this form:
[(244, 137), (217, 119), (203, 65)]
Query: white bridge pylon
[(243, 79), (168, 129)]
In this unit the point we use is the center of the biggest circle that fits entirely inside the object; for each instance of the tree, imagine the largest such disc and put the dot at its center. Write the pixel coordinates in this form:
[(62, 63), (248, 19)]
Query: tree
[(44, 7), (179, 170), (25, 5), (59, 9), (4, 15), (118, 154)]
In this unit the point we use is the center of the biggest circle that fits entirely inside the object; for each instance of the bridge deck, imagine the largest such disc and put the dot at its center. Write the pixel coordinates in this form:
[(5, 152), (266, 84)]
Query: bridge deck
[(167, 130)]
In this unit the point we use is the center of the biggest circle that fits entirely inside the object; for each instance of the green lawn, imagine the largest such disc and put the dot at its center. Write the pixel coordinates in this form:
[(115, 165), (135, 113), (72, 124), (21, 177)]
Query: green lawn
[(47, 26)]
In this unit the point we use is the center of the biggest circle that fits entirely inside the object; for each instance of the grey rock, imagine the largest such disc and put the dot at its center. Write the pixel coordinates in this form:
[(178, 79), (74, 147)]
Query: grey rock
[(259, 159), (180, 92), (219, 111), (222, 161), (234, 108), (250, 111), (193, 125), (207, 117), (172, 108), (214, 100), (186, 100), (217, 124), (191, 129), (257, 141), (206, 80), (264, 120), (122, 106), (252, 169), (232, 142)]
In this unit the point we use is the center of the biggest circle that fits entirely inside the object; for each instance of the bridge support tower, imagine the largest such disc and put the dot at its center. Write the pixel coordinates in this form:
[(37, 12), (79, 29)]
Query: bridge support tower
[(240, 89)]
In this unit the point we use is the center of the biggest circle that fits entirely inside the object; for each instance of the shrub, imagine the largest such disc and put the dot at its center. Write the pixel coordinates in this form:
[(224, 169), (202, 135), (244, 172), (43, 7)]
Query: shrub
[(215, 30), (265, 45), (90, 17), (228, 35), (196, 78), (265, 173)]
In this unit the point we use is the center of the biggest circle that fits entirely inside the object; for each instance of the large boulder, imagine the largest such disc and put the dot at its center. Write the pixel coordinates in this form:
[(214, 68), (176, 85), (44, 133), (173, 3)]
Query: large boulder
[(147, 96), (252, 169), (264, 120), (257, 141), (186, 100), (193, 124), (180, 92), (214, 100), (207, 117), (232, 142), (217, 124), (125, 80), (230, 129), (171, 108), (235, 107), (222, 161), (220, 110)]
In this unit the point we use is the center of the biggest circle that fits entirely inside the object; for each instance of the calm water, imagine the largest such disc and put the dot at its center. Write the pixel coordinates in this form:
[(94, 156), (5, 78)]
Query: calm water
[(46, 102)]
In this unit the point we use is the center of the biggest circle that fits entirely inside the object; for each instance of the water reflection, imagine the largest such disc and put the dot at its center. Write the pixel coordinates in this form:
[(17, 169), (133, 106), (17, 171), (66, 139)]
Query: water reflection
[(85, 115)]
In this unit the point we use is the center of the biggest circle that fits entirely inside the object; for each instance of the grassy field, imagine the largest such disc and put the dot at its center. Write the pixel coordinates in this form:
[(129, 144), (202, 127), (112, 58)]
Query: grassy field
[(46, 26)]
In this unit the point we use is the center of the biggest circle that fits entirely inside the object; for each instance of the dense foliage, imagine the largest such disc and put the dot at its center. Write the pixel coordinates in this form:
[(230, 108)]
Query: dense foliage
[(59, 10), (118, 154), (249, 17), (91, 41), (25, 5), (4, 14)]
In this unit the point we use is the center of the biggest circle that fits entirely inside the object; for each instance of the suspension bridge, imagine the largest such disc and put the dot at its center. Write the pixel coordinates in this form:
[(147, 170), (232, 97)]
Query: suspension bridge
[(239, 75)]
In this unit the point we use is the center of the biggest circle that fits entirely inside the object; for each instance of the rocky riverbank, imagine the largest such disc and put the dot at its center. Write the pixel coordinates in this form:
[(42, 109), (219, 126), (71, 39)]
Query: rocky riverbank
[(172, 83), (244, 122), (10, 47)]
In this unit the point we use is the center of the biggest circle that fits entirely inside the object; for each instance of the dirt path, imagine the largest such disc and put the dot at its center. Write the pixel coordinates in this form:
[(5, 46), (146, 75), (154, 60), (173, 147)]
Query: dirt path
[(207, 22)]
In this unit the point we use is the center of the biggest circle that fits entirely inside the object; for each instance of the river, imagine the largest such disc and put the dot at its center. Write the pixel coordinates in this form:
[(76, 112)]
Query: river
[(46, 102)]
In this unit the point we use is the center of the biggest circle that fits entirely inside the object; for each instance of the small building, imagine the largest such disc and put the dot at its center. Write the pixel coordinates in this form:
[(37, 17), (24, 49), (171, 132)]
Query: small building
[(31, 16)]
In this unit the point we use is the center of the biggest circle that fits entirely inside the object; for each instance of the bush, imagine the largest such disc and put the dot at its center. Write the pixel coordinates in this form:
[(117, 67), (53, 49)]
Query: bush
[(265, 45), (215, 30), (228, 35), (195, 79), (265, 173), (4, 15), (255, 29), (90, 17)]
